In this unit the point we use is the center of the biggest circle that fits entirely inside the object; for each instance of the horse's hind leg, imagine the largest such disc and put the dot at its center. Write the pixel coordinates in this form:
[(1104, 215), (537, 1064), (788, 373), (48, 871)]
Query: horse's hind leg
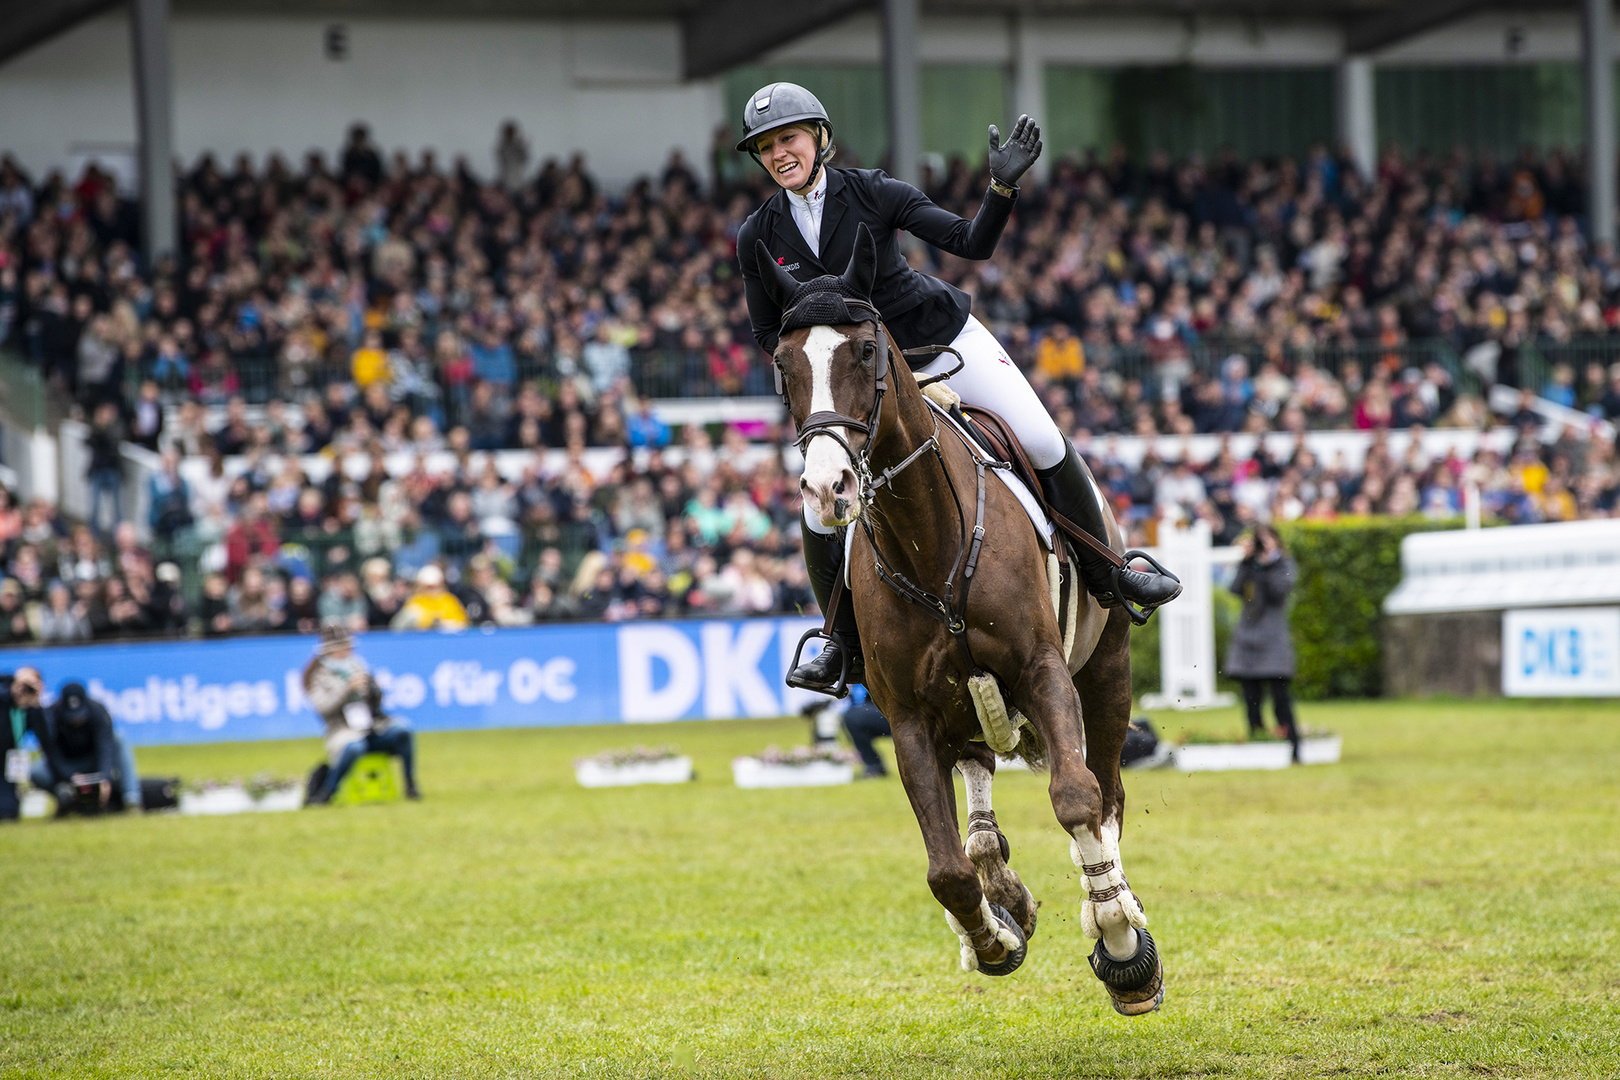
[(986, 844), (1126, 959), (991, 943)]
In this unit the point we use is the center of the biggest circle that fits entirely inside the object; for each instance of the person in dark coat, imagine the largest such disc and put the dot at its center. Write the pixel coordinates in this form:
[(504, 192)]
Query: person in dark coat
[(1261, 655), (19, 700), (83, 743)]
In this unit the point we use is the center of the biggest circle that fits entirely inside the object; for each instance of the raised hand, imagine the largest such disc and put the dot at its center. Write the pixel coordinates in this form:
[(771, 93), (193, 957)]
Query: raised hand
[(1012, 159)]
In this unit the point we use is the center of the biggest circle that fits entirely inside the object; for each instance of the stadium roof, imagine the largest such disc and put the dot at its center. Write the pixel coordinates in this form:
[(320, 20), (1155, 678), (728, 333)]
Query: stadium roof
[(719, 34)]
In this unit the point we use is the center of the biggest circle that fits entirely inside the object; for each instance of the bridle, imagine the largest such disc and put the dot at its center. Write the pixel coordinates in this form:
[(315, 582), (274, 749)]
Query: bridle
[(831, 423), (950, 609)]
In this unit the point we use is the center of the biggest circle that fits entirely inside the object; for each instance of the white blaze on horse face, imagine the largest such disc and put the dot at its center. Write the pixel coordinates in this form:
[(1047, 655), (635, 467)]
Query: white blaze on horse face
[(826, 463)]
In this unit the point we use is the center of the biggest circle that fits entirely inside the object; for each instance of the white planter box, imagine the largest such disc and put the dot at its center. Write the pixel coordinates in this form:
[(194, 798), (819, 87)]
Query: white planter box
[(217, 801), (752, 773), (1221, 757), (1321, 750), (677, 770), (278, 801)]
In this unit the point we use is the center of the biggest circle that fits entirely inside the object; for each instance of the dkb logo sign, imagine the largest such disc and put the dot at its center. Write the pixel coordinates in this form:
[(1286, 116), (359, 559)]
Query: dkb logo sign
[(1561, 652)]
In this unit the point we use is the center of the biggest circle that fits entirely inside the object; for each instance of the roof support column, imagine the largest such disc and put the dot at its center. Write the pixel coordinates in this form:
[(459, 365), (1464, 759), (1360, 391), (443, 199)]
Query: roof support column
[(154, 123), (1597, 62), (900, 75), (1357, 122), (1029, 85)]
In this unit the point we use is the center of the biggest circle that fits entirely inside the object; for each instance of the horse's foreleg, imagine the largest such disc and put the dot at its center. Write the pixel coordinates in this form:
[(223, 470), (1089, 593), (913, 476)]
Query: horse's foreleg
[(990, 944), (987, 845), (1128, 961)]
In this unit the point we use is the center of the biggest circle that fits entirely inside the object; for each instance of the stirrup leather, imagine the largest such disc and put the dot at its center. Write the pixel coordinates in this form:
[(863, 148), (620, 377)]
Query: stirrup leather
[(839, 689)]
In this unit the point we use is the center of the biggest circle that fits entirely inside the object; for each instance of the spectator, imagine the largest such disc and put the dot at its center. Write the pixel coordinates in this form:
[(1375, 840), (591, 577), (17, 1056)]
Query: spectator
[(253, 536), (106, 469), (85, 751), (431, 606), (1261, 655), (19, 697)]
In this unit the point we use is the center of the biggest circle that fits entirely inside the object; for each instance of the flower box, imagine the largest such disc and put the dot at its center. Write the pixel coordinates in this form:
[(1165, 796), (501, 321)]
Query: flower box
[(1222, 757), (262, 794), (1320, 749), (593, 773), (222, 800), (751, 772)]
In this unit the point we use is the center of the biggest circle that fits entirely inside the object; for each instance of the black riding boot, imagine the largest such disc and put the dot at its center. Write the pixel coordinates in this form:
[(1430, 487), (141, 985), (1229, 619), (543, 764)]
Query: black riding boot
[(824, 559), (1071, 492)]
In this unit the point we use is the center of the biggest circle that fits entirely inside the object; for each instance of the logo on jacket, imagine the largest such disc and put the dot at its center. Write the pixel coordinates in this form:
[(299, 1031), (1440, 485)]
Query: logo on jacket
[(782, 262)]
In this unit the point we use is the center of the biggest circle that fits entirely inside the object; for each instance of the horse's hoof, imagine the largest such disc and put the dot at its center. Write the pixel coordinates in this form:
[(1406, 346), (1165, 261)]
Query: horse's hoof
[(1136, 985), (1009, 963)]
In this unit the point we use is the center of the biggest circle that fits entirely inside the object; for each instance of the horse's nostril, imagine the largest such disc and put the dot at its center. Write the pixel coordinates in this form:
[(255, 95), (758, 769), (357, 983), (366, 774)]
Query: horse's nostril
[(839, 487), (804, 485)]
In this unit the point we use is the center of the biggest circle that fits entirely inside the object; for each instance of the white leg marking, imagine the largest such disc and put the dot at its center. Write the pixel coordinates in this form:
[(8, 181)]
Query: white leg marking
[(1118, 916), (977, 779), (970, 958)]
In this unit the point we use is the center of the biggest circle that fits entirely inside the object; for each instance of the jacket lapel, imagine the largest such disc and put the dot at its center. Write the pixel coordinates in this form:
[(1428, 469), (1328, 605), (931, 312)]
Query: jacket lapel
[(832, 211), (786, 230)]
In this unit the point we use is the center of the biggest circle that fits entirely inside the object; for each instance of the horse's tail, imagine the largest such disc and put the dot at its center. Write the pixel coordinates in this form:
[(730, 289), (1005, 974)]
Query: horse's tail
[(1031, 747)]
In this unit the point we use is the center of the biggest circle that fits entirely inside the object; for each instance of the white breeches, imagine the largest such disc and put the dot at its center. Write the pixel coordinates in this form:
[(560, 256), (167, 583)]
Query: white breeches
[(990, 380)]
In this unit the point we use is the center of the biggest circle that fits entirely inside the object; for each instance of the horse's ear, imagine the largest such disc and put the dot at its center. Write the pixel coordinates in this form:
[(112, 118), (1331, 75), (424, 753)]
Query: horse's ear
[(779, 284), (862, 271)]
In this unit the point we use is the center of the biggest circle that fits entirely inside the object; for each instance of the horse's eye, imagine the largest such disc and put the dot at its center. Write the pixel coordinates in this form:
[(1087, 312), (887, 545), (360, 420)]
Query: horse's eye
[(868, 351)]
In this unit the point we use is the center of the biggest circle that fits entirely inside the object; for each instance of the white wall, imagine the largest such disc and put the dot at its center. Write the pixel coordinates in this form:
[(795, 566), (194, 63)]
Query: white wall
[(611, 90)]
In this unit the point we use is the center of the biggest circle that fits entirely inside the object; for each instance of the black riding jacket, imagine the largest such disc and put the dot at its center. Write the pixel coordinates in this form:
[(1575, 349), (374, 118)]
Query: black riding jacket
[(917, 308)]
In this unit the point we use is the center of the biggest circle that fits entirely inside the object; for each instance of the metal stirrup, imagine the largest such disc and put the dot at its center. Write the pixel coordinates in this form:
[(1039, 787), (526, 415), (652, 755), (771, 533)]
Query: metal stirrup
[(1139, 615)]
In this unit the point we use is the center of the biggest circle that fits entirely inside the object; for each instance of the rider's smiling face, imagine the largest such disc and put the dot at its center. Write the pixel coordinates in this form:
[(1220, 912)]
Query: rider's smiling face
[(790, 155)]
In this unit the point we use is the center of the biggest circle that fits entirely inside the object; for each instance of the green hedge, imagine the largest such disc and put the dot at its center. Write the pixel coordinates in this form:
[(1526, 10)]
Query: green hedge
[(1346, 569)]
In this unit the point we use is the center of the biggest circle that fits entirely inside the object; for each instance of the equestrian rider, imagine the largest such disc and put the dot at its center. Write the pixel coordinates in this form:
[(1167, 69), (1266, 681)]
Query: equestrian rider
[(810, 227)]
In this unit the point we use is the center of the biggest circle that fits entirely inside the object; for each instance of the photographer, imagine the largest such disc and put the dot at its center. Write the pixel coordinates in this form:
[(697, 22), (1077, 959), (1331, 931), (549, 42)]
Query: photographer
[(339, 686), (1262, 650), (84, 756), (20, 701)]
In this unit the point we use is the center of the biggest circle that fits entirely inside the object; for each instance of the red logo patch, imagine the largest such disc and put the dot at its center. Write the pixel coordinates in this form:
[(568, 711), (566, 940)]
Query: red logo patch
[(782, 261)]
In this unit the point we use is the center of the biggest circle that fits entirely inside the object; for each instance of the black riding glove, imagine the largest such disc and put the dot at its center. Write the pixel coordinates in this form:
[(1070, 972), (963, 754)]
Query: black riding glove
[(1011, 160)]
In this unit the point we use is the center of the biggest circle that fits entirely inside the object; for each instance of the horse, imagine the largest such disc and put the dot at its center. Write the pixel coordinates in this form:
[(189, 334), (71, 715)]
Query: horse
[(963, 648)]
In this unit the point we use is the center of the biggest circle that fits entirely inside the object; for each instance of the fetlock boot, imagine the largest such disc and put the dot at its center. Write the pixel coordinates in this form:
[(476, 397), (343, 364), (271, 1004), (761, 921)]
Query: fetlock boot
[(824, 560), (1071, 492)]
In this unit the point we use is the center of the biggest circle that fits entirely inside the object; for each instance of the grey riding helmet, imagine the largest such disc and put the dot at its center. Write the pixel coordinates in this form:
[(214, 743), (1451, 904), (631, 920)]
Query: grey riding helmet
[(776, 105)]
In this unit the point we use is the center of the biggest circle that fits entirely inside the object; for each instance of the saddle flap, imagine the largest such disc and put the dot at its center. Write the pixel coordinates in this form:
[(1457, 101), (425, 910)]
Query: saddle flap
[(989, 427)]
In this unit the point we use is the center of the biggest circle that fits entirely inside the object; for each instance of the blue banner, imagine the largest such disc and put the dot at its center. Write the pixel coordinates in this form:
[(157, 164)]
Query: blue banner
[(582, 673)]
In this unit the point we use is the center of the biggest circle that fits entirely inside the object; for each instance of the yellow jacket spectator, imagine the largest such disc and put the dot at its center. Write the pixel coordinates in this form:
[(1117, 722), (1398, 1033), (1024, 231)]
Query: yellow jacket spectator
[(369, 363), (431, 606), (1059, 356)]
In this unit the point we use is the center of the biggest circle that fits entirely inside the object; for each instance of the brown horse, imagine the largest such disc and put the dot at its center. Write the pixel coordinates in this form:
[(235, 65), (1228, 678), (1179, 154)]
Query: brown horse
[(955, 629)]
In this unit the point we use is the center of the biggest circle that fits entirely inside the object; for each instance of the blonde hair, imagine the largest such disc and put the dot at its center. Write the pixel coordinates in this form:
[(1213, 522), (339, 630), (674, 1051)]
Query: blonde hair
[(815, 129)]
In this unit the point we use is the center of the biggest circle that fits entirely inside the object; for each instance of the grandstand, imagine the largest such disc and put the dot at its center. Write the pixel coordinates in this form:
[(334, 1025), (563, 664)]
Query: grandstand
[(1275, 268)]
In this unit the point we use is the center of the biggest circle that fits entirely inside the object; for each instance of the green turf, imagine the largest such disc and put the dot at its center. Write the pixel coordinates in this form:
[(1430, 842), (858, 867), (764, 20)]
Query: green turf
[(1442, 903)]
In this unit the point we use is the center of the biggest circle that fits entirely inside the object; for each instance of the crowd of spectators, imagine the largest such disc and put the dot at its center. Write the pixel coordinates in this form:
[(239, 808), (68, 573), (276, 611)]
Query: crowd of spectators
[(399, 307)]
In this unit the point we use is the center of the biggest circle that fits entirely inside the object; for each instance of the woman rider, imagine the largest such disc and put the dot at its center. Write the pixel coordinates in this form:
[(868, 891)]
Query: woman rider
[(810, 227)]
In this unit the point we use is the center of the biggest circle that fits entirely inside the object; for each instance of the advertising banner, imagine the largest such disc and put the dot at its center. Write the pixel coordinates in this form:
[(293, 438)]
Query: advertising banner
[(1561, 652), (579, 673)]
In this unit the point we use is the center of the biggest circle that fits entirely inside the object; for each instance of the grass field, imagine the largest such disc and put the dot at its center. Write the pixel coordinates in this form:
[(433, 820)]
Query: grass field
[(1445, 902)]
